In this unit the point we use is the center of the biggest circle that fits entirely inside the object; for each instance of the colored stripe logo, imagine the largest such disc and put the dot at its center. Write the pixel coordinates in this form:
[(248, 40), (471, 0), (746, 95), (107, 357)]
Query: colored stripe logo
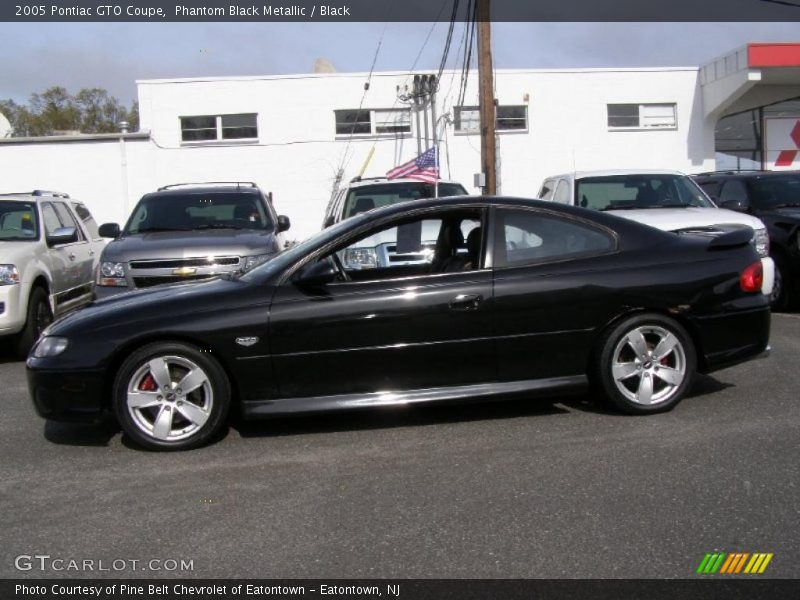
[(734, 563)]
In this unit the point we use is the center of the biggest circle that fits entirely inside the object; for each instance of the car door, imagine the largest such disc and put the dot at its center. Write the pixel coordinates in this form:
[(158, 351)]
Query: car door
[(412, 323), (546, 282), (80, 265)]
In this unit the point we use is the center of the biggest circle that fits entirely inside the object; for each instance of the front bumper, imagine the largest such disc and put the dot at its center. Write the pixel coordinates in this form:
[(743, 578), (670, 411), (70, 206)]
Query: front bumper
[(12, 313), (66, 395)]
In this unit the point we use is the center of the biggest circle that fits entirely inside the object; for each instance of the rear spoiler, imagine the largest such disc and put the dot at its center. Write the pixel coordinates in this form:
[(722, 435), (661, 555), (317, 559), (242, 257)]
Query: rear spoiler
[(738, 237)]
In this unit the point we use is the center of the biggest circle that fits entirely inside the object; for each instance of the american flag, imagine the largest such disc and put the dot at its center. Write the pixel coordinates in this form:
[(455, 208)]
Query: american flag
[(425, 167)]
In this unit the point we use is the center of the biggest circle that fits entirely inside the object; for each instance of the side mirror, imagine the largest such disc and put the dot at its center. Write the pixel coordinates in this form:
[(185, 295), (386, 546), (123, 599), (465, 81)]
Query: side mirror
[(318, 274), (328, 222), (63, 235), (109, 230), (283, 223), (737, 204)]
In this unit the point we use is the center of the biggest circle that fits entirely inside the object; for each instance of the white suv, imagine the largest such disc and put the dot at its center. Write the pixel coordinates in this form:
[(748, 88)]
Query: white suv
[(49, 248), (667, 200), (362, 195)]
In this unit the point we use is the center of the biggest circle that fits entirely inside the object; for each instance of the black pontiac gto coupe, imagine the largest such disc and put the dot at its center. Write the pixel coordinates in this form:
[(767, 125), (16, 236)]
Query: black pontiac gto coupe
[(472, 297)]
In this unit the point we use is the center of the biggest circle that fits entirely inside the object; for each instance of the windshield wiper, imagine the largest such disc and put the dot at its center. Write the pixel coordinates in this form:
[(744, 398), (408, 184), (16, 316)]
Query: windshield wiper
[(786, 205), (152, 229)]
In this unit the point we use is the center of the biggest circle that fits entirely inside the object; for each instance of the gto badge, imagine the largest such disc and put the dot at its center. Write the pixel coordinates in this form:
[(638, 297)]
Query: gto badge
[(246, 341), (184, 271)]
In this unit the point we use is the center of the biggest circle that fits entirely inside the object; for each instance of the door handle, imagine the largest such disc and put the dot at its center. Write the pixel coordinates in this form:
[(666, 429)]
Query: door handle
[(466, 302), (72, 256)]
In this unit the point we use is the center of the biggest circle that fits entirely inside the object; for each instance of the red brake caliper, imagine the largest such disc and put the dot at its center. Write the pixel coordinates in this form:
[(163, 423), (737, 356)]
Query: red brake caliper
[(147, 384)]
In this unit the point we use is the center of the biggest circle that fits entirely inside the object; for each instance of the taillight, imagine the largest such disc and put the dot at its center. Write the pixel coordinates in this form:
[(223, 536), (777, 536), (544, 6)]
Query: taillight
[(752, 278)]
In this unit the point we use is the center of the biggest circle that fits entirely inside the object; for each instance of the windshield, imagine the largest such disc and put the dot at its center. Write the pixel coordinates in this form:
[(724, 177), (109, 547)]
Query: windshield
[(367, 197), (622, 192), (18, 221), (197, 211), (774, 192)]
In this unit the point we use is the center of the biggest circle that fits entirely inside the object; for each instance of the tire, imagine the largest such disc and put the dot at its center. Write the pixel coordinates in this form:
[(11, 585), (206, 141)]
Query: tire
[(633, 377), (781, 297), (155, 410), (37, 317)]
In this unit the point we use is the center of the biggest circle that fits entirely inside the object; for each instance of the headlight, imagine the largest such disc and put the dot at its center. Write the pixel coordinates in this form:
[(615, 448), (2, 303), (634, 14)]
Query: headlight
[(8, 275), (761, 241), (111, 274), (50, 346), (360, 258), (251, 262)]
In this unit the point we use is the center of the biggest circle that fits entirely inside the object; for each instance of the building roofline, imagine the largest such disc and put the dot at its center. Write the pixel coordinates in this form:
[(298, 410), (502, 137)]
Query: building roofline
[(407, 73), (88, 137)]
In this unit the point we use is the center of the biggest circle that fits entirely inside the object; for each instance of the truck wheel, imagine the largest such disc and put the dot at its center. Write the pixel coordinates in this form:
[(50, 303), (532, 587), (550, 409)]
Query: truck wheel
[(171, 396), (38, 317), (647, 364), (781, 297)]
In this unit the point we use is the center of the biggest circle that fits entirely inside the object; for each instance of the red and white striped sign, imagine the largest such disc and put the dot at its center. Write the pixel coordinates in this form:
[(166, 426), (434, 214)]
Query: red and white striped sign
[(782, 143)]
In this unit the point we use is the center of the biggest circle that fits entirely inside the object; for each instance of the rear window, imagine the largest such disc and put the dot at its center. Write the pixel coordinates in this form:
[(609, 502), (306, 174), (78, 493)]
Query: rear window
[(367, 197)]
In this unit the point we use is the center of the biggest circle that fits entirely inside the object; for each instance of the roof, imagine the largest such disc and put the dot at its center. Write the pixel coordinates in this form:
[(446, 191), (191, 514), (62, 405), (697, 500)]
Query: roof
[(33, 196), (383, 180), (207, 187), (613, 173), (745, 174)]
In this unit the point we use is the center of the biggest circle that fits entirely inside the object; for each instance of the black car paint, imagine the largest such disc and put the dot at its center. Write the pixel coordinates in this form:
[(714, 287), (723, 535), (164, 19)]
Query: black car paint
[(350, 345)]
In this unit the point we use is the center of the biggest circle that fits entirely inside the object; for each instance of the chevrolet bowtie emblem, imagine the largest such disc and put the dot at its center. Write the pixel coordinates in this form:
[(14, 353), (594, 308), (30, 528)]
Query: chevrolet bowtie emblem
[(184, 271)]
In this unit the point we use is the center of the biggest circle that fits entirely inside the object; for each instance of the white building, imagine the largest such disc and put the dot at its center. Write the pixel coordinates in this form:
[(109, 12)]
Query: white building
[(292, 134)]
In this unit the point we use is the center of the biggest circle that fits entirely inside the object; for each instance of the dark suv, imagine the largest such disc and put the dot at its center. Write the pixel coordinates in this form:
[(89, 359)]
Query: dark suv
[(187, 232), (773, 197)]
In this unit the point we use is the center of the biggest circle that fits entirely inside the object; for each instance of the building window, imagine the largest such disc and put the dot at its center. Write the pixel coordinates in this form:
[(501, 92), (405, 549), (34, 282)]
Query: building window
[(507, 118), (213, 128), (372, 122), (642, 116)]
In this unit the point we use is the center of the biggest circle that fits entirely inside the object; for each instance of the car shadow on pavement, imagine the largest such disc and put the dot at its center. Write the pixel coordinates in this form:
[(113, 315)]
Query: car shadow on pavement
[(393, 417), (81, 434)]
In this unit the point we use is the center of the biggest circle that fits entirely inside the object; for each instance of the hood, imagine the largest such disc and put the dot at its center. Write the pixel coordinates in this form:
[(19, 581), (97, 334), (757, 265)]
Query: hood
[(190, 244), (161, 302), (788, 212), (672, 219), (14, 253)]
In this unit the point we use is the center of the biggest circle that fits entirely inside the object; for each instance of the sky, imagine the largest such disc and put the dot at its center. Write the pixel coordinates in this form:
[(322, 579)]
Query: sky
[(114, 55)]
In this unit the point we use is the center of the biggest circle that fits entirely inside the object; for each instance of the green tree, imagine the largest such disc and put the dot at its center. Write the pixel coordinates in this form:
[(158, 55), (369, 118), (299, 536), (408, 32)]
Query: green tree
[(55, 110)]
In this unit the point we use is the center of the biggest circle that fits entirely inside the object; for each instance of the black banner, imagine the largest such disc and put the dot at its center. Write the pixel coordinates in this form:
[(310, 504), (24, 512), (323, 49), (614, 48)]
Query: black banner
[(398, 10), (405, 589)]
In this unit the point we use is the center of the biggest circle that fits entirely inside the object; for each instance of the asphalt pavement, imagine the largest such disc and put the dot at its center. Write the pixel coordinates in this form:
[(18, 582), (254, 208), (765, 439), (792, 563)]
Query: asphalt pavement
[(513, 489)]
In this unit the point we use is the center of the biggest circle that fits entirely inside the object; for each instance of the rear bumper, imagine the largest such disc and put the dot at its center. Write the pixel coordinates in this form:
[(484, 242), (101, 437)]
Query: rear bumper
[(731, 338), (66, 395)]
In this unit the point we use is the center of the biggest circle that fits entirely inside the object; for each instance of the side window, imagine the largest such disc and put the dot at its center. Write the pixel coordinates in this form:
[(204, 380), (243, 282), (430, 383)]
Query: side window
[(50, 218), (88, 220), (529, 237), (443, 242), (733, 190), (66, 218), (562, 194), (546, 193)]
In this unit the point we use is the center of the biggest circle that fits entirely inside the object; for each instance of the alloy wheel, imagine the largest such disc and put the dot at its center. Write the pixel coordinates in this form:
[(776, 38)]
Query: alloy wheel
[(648, 365), (169, 398)]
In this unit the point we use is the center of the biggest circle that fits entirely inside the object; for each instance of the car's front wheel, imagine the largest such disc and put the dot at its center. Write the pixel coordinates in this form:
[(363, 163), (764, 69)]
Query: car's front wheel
[(171, 396), (647, 364), (37, 318)]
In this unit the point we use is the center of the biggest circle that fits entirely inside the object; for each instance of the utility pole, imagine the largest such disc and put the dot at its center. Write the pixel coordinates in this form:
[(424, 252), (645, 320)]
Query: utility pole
[(486, 98)]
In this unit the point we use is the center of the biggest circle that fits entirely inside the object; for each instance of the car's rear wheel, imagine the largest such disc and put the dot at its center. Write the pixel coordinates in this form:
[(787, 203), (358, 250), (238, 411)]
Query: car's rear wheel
[(171, 396), (647, 364), (38, 317)]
